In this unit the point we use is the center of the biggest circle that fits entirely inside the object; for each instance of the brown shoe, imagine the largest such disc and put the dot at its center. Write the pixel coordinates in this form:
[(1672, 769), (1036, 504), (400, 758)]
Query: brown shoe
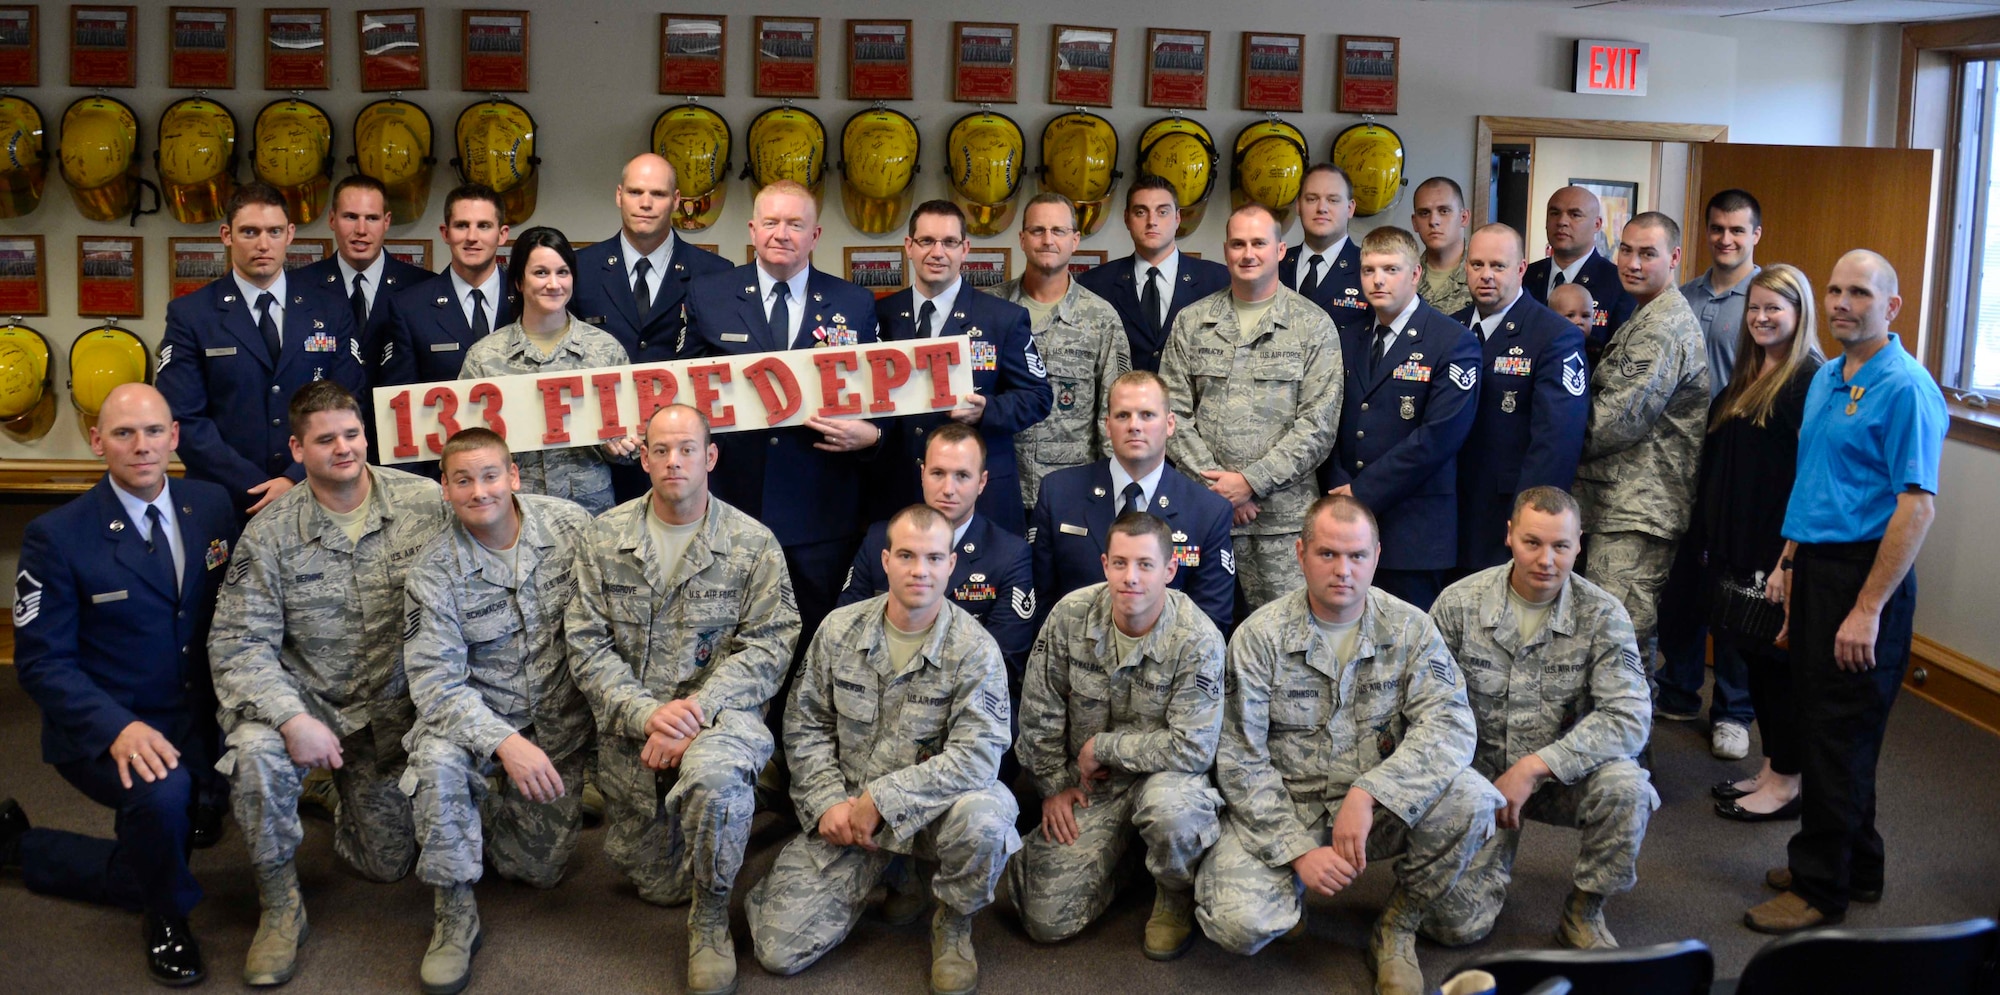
[(1780, 879), (1787, 913)]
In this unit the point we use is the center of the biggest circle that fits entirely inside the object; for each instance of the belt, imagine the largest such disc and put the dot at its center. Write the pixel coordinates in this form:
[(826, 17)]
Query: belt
[(1863, 550)]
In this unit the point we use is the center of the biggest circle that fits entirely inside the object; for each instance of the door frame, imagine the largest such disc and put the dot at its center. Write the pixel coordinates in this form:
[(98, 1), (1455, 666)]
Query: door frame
[(1696, 135)]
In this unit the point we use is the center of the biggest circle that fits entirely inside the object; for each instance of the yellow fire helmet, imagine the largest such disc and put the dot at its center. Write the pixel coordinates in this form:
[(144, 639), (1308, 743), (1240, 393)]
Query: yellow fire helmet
[(100, 360), (1079, 161), (695, 140), (292, 150), (27, 404), (1269, 166), (1182, 152), (878, 162), (392, 143), (786, 143), (986, 155), (196, 159), (99, 150), (496, 147), (1372, 155), (23, 170)]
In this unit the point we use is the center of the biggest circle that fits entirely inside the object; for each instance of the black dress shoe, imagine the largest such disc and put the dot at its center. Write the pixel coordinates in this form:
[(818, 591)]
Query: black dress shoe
[(207, 828), (173, 958), (1784, 813), (13, 825), (1726, 791)]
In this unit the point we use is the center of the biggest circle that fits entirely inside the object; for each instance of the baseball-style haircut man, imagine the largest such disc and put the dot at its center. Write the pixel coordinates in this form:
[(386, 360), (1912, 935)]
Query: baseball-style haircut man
[(315, 397), (473, 439), (1547, 500), (1341, 508), (1140, 523)]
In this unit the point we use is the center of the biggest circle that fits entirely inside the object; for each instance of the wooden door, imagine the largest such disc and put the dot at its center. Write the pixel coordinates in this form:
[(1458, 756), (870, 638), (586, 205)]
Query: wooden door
[(1819, 202)]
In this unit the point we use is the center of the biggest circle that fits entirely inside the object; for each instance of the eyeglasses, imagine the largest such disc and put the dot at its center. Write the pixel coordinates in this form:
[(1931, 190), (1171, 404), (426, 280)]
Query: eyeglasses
[(928, 243), (1042, 231)]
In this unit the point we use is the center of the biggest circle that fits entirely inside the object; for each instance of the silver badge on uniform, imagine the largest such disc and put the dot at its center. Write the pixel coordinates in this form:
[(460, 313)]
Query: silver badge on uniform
[(1409, 409), (1097, 491), (1507, 403)]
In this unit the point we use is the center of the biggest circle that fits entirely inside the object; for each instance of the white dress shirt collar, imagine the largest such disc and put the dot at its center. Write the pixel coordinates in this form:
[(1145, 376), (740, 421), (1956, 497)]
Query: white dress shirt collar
[(135, 512), (944, 303), (373, 274), (1149, 485), (489, 289)]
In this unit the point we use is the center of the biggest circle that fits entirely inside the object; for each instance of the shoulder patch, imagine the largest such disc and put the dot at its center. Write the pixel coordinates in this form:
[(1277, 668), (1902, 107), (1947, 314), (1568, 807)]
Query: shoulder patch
[(1228, 559), (27, 598), (1462, 376), (1024, 603), (410, 619), (354, 348), (1031, 534), (1208, 686), (849, 580), (1575, 374), (1632, 369), (1035, 366), (1441, 669), (166, 356), (1629, 657), (993, 704)]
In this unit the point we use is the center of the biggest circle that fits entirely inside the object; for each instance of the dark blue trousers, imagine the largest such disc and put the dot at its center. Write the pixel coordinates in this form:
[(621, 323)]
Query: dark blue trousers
[(143, 869)]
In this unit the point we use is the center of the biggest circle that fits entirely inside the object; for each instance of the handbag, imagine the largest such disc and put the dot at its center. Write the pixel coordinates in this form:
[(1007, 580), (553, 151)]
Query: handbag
[(1737, 606)]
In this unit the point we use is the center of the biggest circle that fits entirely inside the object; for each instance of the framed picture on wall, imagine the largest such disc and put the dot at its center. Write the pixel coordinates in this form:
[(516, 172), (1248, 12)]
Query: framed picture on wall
[(986, 268), (693, 49), (24, 285), (392, 50), (787, 57), (295, 49), (713, 247), (1080, 63), (1620, 200), (1274, 75), (1177, 69), (307, 251), (878, 269), (494, 54), (878, 60), (415, 251), (103, 46), (201, 48), (194, 263), (110, 272), (984, 62), (20, 45), (1367, 70)]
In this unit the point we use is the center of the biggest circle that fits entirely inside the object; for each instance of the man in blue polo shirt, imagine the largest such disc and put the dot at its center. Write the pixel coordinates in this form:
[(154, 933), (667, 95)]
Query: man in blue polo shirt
[(1868, 472)]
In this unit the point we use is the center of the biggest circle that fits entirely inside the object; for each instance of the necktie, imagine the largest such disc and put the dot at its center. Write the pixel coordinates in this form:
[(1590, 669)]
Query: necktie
[(1149, 302), (1311, 283), (1133, 493), (1383, 336), (268, 325), (359, 302), (642, 298), (479, 324), (924, 316), (160, 551), (781, 314), (1558, 281)]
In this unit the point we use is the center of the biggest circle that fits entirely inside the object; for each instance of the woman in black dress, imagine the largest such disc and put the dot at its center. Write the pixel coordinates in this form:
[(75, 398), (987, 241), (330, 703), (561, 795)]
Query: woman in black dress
[(1747, 466)]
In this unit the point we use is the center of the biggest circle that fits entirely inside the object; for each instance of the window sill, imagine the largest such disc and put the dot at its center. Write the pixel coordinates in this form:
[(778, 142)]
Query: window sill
[(1973, 426)]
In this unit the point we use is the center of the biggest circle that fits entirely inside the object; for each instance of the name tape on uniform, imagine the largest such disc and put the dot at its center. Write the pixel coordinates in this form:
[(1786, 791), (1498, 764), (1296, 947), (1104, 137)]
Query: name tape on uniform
[(571, 408)]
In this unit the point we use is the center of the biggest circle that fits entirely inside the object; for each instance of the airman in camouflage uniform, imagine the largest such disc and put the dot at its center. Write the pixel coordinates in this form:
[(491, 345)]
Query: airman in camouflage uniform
[(1150, 718), (1642, 447), (307, 653), (579, 474), (708, 634), (489, 672), (1562, 718), (1262, 403), (1082, 341), (890, 761), (1305, 734)]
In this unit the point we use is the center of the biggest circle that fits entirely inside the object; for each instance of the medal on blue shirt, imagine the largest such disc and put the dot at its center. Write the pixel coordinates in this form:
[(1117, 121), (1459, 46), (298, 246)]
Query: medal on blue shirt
[(1854, 397)]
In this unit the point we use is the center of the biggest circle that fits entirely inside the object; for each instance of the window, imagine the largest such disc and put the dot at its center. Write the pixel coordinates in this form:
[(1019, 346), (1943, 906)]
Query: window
[(1972, 350)]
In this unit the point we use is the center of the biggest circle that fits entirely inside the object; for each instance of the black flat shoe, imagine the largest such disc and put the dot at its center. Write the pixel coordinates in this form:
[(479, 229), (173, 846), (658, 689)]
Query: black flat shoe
[(173, 958), (1726, 791), (13, 825), (207, 828), (1737, 813)]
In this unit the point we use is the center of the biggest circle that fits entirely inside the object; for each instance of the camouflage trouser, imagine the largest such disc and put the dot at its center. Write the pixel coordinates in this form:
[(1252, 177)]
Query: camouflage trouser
[(815, 892), (373, 831), (1243, 903), (577, 474), (1059, 888), (1611, 806), (1267, 567), (1633, 567), (694, 835), (458, 817)]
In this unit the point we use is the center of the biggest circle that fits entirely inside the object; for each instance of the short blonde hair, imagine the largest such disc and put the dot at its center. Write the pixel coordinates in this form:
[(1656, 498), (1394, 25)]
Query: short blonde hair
[(1389, 239), (776, 187)]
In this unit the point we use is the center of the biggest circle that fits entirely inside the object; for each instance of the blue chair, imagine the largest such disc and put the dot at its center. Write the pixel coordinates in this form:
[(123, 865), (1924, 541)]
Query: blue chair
[(1951, 959), (1683, 968)]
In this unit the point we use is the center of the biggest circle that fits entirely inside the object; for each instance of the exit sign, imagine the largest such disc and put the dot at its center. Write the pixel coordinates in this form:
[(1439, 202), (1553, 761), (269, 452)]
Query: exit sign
[(1616, 68)]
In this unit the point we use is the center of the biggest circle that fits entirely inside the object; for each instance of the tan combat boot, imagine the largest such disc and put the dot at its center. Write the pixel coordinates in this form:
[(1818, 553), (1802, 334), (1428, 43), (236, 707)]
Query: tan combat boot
[(447, 967), (1582, 923), (1394, 946), (908, 898), (711, 951), (954, 967), (274, 951), (1170, 932)]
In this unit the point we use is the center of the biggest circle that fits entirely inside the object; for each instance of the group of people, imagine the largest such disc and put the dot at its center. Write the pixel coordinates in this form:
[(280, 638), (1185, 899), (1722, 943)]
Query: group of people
[(1397, 592)]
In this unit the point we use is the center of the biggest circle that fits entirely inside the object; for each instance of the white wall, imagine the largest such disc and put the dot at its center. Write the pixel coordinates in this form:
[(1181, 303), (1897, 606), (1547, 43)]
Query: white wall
[(1955, 602), (594, 75), (1559, 160)]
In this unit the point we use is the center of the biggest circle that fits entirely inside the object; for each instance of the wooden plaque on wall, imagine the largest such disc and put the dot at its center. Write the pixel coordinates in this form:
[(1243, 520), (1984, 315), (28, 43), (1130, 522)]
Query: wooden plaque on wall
[(110, 276), (787, 56), (1080, 65), (20, 45), (103, 46), (201, 48), (694, 52), (295, 49), (392, 50)]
